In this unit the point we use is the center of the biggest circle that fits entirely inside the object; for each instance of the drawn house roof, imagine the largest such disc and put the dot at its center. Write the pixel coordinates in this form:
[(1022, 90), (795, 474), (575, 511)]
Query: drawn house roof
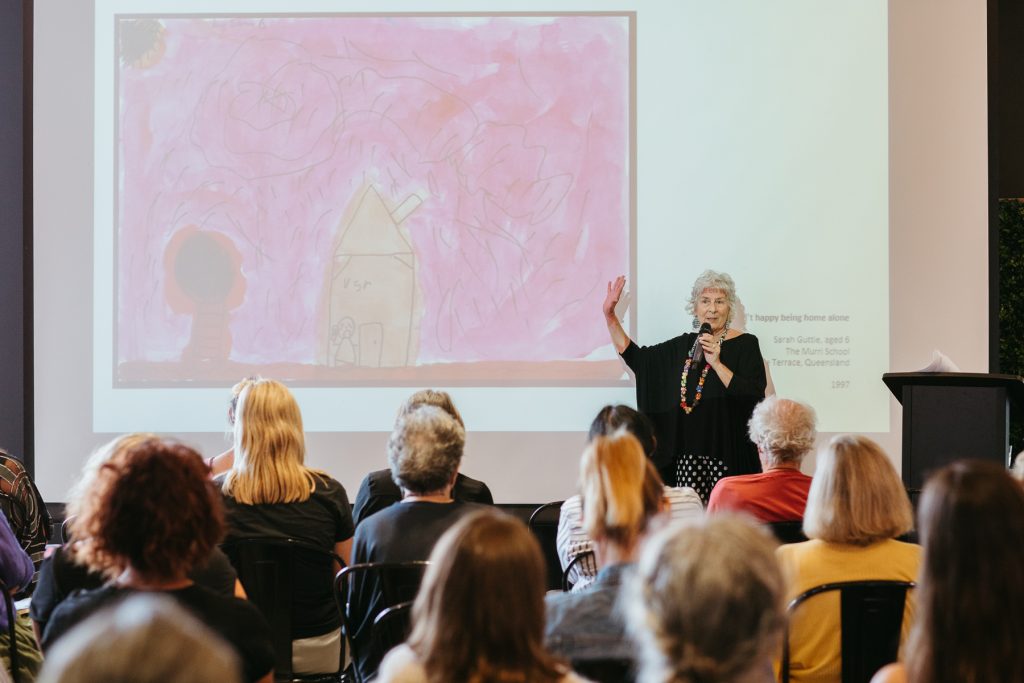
[(373, 229)]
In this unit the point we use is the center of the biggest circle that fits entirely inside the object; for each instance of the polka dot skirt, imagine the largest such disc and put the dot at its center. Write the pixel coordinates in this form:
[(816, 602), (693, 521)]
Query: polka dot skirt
[(700, 473)]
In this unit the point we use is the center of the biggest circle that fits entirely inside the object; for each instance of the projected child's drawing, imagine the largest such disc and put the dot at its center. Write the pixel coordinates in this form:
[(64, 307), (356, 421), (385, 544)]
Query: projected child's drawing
[(373, 287), (411, 198)]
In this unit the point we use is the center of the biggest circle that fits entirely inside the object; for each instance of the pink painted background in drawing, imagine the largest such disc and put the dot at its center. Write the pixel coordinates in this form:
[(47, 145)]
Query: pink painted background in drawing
[(514, 132)]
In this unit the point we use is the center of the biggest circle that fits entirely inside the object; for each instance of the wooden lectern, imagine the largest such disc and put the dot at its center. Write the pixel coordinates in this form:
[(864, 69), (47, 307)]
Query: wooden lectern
[(949, 416)]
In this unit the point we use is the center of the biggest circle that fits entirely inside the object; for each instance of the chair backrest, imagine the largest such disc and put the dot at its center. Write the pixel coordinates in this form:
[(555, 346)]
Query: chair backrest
[(393, 625), (788, 532), (605, 670), (267, 569), (394, 582), (584, 557), (544, 525), (65, 529), (871, 618)]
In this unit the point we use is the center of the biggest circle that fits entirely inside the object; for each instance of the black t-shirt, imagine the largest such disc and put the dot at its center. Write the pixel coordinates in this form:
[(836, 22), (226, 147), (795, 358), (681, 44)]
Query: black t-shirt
[(59, 576), (378, 491), (322, 520), (401, 533), (237, 621)]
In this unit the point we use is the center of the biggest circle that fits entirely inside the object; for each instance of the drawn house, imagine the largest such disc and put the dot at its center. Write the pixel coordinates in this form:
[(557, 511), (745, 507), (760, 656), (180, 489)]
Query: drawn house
[(372, 297)]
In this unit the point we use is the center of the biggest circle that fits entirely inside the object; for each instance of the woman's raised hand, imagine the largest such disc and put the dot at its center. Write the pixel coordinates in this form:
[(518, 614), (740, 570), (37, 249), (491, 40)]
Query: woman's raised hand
[(611, 300)]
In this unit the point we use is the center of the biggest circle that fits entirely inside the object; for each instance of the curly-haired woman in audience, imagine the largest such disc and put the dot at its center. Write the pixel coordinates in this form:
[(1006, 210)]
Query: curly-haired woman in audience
[(270, 493), (705, 604), (479, 615), (60, 574), (146, 521), (784, 432), (970, 622), (572, 539), (856, 508), (622, 493)]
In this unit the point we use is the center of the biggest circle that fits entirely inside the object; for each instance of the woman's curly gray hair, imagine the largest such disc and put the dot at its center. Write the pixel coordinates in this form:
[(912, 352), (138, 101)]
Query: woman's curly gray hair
[(784, 430), (425, 449), (706, 603), (712, 279)]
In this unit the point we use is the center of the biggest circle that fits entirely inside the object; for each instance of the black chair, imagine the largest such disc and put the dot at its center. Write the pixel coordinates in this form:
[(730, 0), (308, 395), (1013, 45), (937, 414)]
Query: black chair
[(788, 532), (395, 583), (605, 670), (393, 625), (12, 615), (544, 525), (582, 558), (267, 569), (65, 529), (871, 617)]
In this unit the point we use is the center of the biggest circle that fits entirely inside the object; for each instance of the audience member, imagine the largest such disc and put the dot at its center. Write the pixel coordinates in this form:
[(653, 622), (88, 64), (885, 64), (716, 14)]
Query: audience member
[(1018, 467), (23, 506), (970, 622), (622, 493), (572, 540), (784, 433), (424, 452), (59, 574), (16, 572), (270, 493), (479, 615), (221, 463), (378, 490), (705, 604), (145, 639), (146, 521), (856, 508)]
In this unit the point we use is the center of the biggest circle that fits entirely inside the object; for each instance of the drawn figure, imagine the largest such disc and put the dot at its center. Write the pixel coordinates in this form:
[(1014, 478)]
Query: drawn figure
[(204, 279), (372, 291), (341, 334)]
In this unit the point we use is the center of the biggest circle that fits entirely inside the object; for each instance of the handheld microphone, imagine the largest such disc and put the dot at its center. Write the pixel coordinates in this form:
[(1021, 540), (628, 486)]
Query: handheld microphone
[(698, 350)]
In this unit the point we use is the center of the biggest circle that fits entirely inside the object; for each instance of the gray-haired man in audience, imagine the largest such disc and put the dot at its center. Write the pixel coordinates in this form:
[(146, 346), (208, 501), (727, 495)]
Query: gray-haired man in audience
[(424, 453)]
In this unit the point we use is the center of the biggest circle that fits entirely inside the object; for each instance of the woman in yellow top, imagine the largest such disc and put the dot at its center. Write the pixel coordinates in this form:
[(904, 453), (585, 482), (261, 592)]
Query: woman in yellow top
[(856, 508)]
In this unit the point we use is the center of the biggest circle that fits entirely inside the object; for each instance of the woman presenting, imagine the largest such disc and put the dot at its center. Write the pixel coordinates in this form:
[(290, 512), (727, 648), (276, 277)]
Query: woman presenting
[(699, 401)]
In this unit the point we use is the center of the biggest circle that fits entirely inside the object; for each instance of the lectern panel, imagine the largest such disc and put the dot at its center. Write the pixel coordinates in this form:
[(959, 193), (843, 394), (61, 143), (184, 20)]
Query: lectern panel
[(947, 423)]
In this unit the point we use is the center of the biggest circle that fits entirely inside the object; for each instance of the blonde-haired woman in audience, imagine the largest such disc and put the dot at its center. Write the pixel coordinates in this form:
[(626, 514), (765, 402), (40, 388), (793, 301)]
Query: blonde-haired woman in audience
[(856, 508), (572, 539), (270, 493), (479, 615), (705, 604), (145, 639), (621, 494), (222, 463), (970, 621)]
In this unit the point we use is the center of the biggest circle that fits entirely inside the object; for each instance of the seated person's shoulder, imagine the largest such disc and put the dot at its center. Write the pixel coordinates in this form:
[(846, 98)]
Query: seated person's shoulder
[(241, 624), (891, 673), (471, 490), (78, 606), (401, 665), (9, 462)]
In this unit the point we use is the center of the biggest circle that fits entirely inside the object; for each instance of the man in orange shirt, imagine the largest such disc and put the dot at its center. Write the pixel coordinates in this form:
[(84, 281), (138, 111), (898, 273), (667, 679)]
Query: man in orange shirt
[(784, 432)]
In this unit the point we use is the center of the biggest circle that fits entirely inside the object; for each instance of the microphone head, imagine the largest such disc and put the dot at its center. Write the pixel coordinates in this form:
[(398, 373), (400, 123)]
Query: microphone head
[(704, 329)]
